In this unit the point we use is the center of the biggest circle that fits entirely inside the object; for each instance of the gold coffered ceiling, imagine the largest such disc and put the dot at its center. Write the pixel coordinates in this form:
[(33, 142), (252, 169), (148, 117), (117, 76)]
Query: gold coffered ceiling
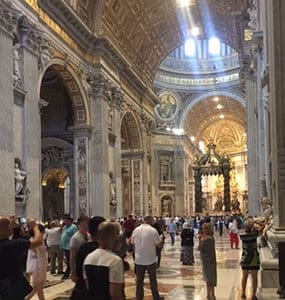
[(222, 121), (146, 31)]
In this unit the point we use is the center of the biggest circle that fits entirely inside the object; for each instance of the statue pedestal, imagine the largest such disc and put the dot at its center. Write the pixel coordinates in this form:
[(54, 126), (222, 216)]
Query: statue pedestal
[(269, 268), (20, 207), (269, 259)]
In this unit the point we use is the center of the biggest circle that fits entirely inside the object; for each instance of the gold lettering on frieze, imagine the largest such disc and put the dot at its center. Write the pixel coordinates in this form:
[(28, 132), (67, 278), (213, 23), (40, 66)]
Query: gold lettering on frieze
[(57, 29), (198, 81)]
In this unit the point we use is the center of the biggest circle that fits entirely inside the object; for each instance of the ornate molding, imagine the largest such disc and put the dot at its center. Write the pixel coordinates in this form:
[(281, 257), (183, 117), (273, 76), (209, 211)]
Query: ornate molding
[(46, 49), (253, 14), (68, 20), (146, 121), (8, 16), (30, 36)]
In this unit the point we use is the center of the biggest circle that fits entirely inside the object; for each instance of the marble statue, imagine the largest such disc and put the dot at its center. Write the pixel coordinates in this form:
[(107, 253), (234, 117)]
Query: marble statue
[(20, 176), (235, 204), (16, 65), (219, 203), (113, 195)]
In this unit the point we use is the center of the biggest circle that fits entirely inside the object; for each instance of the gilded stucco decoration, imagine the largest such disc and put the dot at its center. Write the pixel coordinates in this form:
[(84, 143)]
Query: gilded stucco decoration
[(228, 135), (207, 114), (147, 31), (57, 175), (143, 32), (130, 135)]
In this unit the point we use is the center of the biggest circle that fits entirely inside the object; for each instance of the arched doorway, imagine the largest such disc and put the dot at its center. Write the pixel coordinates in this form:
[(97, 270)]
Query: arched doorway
[(57, 117), (56, 190), (131, 166)]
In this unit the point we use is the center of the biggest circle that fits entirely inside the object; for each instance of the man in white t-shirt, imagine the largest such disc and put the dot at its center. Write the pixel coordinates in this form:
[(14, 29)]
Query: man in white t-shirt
[(53, 236), (78, 239), (102, 269), (145, 239)]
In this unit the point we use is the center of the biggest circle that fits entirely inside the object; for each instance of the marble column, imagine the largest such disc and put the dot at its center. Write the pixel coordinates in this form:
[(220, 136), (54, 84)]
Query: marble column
[(179, 178), (8, 22), (227, 202), (252, 144), (145, 123), (198, 190), (115, 110), (275, 143), (276, 45), (81, 152)]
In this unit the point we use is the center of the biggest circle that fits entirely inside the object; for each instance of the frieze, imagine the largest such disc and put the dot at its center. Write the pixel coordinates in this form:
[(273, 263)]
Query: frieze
[(178, 79), (67, 20), (171, 64)]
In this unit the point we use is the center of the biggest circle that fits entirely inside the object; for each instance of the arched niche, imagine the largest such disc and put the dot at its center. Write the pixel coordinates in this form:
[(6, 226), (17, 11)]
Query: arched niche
[(131, 165)]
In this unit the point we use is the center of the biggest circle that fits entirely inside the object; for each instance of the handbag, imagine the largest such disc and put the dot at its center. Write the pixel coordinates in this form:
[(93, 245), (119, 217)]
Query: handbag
[(14, 288)]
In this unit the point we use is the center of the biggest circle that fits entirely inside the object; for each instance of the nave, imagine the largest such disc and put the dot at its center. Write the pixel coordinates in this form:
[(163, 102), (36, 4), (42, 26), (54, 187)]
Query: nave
[(179, 282)]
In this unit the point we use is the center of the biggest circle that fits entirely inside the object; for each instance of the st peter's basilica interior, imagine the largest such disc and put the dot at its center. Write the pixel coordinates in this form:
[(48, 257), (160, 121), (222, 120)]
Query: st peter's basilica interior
[(162, 107)]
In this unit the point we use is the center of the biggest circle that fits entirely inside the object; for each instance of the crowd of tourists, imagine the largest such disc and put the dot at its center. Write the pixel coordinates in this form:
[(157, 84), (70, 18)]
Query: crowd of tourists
[(93, 252)]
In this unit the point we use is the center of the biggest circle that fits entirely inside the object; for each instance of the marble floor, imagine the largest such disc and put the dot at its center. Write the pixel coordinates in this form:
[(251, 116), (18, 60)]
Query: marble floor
[(179, 282)]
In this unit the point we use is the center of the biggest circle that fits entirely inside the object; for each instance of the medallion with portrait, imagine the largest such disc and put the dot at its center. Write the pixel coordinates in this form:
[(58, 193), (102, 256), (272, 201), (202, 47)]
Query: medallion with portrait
[(167, 107)]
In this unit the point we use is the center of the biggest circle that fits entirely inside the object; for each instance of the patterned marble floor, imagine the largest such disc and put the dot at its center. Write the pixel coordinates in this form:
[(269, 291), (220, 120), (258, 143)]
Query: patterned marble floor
[(180, 282)]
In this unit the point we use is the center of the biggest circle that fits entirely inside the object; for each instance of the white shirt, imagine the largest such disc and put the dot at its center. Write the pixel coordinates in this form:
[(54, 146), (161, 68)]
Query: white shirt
[(145, 238), (233, 227), (53, 236), (104, 258)]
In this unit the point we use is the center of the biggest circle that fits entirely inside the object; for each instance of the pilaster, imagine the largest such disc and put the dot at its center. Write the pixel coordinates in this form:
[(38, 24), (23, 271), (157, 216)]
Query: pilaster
[(29, 41), (100, 94), (252, 141), (276, 14), (81, 136), (8, 20)]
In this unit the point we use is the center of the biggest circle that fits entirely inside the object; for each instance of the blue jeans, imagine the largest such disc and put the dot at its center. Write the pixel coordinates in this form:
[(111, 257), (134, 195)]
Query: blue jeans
[(172, 236)]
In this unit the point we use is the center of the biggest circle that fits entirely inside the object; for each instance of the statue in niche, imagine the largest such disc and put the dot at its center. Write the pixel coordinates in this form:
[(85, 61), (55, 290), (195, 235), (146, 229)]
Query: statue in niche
[(219, 203), (235, 204), (166, 206), (267, 221), (113, 195), (20, 180), (16, 65)]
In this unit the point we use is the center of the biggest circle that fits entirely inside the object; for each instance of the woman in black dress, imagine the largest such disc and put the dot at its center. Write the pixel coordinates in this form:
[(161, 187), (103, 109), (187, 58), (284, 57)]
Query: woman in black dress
[(187, 244), (250, 262)]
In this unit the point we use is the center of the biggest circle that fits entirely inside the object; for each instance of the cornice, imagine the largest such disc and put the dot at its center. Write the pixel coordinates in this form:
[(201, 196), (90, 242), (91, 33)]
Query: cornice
[(68, 20)]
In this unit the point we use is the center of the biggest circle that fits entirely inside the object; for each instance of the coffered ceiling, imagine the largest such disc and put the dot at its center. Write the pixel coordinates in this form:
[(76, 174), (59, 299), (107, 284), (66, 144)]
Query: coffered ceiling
[(222, 121), (146, 31)]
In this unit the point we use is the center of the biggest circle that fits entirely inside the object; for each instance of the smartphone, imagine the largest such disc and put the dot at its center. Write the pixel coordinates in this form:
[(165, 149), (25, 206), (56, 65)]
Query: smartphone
[(23, 220)]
